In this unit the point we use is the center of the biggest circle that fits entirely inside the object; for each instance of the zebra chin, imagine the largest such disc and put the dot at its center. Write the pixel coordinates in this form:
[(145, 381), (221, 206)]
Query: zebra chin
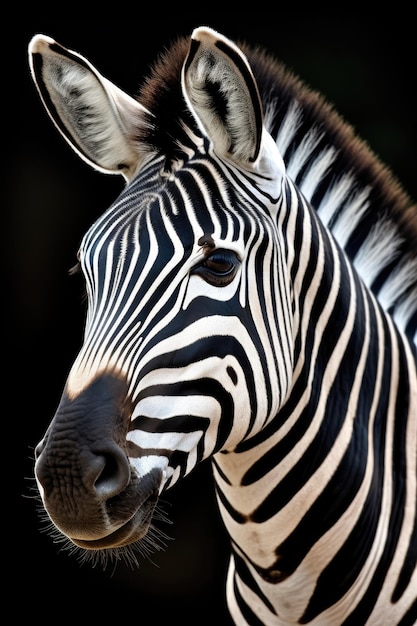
[(131, 532)]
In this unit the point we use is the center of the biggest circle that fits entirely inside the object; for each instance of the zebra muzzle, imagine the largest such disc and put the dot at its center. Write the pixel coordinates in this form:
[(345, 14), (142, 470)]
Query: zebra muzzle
[(84, 475)]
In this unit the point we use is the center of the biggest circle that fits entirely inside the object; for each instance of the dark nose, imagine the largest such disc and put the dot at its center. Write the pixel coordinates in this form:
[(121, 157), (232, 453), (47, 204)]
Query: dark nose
[(102, 470), (83, 454)]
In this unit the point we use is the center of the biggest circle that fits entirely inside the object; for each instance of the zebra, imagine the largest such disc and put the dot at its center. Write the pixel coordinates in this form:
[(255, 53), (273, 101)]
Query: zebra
[(252, 300)]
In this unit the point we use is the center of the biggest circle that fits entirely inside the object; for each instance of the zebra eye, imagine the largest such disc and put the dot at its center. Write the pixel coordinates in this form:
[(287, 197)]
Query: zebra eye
[(219, 268)]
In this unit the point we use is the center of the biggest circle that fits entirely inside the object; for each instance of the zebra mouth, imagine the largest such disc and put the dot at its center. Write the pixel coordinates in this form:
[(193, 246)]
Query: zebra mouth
[(133, 530)]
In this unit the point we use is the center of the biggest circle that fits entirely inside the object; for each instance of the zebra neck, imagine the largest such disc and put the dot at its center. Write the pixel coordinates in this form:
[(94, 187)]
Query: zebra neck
[(279, 492), (343, 343)]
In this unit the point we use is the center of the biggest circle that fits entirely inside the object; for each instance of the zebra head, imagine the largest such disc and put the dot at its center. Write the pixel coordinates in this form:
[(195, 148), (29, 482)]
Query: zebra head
[(187, 347)]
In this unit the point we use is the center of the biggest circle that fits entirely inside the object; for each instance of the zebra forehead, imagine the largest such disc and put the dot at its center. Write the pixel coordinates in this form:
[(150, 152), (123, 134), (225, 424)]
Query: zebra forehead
[(188, 212)]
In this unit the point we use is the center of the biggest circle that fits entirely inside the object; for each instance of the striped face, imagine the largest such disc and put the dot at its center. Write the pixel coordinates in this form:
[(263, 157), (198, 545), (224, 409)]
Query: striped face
[(188, 331), (182, 356), (180, 277)]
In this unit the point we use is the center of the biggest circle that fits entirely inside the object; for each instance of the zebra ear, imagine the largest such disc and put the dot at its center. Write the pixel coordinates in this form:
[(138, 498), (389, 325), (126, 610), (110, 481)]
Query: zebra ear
[(221, 91), (98, 119)]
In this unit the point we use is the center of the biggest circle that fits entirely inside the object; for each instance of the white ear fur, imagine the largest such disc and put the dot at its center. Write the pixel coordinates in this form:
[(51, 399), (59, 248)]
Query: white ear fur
[(221, 91), (98, 119)]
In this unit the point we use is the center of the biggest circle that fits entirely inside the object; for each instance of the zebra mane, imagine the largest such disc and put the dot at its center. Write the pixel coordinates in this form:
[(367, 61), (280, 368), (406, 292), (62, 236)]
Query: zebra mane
[(357, 197)]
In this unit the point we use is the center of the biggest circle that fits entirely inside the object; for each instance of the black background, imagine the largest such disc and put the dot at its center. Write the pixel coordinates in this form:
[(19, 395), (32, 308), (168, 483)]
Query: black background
[(364, 66)]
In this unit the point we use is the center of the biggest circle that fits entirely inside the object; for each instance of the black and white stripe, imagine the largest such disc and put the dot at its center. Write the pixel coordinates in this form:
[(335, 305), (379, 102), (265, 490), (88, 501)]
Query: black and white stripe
[(252, 299)]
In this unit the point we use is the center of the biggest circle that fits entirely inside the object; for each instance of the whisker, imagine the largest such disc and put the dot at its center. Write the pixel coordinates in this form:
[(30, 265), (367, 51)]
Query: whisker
[(155, 540)]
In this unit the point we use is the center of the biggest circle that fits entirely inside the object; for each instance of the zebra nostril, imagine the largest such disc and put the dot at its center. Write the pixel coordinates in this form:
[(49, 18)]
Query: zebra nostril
[(104, 473), (111, 472)]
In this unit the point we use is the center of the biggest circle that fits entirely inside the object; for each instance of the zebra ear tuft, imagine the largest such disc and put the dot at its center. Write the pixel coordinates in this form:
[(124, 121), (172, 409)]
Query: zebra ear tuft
[(99, 120), (221, 91)]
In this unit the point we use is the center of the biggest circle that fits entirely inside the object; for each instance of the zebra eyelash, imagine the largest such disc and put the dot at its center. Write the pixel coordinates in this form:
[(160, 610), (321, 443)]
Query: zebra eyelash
[(218, 268)]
